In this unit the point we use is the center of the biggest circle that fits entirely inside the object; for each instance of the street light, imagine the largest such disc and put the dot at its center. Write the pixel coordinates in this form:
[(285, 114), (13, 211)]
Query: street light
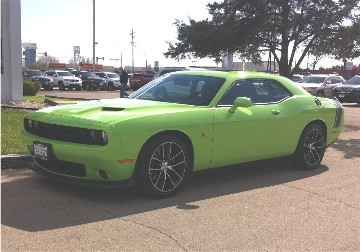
[(94, 43)]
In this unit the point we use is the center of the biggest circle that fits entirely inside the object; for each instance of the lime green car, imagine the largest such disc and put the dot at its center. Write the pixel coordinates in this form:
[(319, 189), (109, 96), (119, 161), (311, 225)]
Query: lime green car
[(181, 122)]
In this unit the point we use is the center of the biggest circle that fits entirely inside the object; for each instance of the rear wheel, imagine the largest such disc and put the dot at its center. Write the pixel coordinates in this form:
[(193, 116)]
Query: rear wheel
[(162, 166), (311, 147)]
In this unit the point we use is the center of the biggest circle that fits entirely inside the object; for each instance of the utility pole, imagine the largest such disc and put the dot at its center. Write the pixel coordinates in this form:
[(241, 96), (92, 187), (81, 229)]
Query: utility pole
[(132, 49), (94, 36)]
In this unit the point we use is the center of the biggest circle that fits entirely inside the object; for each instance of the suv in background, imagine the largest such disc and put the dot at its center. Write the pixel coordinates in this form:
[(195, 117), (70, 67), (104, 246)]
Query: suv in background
[(321, 84), (112, 79), (137, 80), (165, 70), (90, 81), (47, 83), (64, 79), (349, 91)]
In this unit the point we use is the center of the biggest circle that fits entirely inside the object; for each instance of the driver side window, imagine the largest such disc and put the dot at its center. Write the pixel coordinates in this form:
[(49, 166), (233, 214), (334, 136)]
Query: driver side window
[(257, 90)]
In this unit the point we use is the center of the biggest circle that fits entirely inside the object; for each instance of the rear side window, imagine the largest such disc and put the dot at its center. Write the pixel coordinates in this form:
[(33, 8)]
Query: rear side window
[(257, 90)]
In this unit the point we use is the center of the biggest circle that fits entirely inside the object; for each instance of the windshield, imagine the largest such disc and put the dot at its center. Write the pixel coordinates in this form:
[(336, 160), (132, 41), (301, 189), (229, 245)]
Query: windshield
[(353, 81), (113, 75), (181, 88), (65, 74), (89, 74), (314, 79), (35, 73)]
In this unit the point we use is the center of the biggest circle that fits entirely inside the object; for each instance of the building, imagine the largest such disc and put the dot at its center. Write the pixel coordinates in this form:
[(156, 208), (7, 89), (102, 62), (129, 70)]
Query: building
[(11, 58)]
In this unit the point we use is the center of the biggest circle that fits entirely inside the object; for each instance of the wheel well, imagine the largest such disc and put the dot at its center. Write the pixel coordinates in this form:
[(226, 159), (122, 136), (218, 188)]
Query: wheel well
[(178, 134), (320, 122)]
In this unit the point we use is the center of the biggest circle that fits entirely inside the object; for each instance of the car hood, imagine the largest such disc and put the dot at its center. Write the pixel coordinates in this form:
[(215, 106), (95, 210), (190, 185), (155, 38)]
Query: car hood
[(310, 85), (41, 78), (348, 86), (114, 110)]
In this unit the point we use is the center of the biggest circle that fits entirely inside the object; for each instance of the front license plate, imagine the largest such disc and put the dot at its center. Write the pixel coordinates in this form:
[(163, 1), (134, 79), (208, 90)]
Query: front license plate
[(341, 96), (41, 150)]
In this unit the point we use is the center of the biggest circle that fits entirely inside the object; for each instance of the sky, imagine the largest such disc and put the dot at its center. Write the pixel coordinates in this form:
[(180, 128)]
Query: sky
[(59, 25)]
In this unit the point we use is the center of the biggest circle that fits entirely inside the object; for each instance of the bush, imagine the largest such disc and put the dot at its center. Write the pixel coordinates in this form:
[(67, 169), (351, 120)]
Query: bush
[(31, 87)]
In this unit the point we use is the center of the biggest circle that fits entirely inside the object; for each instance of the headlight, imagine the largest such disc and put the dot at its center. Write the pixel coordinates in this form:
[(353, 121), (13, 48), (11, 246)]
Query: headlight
[(99, 136)]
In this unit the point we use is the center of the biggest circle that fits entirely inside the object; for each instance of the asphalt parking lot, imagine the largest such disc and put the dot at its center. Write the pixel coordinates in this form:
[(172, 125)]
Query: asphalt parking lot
[(268, 205)]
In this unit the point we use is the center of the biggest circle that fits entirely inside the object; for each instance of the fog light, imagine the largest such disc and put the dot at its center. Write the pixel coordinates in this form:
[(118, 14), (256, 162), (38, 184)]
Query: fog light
[(103, 174)]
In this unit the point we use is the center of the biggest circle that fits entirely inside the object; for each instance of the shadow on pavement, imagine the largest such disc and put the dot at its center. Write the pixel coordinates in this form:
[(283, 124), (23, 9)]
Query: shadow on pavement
[(35, 203)]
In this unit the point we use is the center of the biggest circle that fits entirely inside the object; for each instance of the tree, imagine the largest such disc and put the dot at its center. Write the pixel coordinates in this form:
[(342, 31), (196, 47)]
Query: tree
[(252, 29), (82, 59), (44, 61)]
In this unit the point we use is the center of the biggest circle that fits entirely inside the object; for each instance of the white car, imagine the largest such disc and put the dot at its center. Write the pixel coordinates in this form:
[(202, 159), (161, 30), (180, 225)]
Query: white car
[(112, 79), (321, 84), (64, 79)]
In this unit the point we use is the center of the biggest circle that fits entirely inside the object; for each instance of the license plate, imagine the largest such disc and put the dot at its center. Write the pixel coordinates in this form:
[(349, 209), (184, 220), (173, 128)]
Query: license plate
[(341, 96), (41, 150)]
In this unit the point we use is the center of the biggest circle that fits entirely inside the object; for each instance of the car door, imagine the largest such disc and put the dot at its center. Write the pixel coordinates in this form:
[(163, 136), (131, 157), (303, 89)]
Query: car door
[(250, 133)]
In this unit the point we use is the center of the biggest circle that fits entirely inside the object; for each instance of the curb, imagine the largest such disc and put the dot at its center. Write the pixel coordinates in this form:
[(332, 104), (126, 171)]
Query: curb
[(12, 161)]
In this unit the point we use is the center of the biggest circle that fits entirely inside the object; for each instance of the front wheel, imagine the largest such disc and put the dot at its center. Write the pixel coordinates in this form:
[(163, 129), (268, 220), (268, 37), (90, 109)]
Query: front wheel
[(61, 86), (110, 87), (163, 165), (311, 147)]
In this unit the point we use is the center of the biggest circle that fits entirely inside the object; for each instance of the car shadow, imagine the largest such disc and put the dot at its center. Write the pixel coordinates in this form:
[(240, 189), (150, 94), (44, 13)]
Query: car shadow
[(35, 203), (350, 148)]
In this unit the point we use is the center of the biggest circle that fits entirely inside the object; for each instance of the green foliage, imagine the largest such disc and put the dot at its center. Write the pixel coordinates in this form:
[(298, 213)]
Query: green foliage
[(31, 87), (11, 126), (252, 29)]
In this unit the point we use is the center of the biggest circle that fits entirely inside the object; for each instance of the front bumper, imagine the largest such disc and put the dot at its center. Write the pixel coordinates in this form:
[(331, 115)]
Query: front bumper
[(348, 97), (88, 164), (98, 184)]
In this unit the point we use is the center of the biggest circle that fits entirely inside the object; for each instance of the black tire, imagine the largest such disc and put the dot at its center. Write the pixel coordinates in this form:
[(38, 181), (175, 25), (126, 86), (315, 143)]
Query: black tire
[(311, 147), (70, 88), (77, 88), (86, 86), (110, 87), (50, 88), (162, 166), (61, 86)]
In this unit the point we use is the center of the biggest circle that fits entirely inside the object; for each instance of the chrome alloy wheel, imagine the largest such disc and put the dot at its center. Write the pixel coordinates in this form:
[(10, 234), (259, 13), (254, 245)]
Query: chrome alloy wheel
[(167, 166), (314, 147)]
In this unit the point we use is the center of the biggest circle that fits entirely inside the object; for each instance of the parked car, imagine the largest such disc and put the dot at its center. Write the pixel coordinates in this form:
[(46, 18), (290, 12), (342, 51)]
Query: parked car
[(90, 81), (47, 83), (165, 70), (349, 91), (112, 79), (64, 79), (321, 84), (297, 78), (182, 122), (137, 80)]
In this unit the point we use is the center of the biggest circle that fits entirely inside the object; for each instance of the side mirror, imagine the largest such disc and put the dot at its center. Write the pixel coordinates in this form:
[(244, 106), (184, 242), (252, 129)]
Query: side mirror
[(242, 102)]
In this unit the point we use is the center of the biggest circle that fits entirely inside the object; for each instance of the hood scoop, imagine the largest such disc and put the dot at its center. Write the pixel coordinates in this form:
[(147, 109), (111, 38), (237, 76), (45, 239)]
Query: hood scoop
[(112, 109)]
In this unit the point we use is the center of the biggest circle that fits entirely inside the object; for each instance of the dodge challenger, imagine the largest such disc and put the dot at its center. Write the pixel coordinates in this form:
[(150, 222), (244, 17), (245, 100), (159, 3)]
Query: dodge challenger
[(178, 123)]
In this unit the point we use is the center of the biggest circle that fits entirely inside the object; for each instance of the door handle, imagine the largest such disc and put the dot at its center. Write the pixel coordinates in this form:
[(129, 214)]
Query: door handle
[(275, 112)]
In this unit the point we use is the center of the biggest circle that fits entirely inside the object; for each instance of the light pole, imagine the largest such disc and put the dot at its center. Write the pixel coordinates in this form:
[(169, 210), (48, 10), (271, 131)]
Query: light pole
[(132, 49), (94, 36)]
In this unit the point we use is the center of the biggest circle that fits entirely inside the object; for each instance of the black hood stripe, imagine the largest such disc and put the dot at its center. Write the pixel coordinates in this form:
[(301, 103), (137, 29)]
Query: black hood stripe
[(339, 113)]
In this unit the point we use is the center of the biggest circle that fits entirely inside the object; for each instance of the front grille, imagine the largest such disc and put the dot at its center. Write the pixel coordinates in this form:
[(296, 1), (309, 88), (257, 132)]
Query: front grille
[(343, 91), (64, 133), (63, 167)]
